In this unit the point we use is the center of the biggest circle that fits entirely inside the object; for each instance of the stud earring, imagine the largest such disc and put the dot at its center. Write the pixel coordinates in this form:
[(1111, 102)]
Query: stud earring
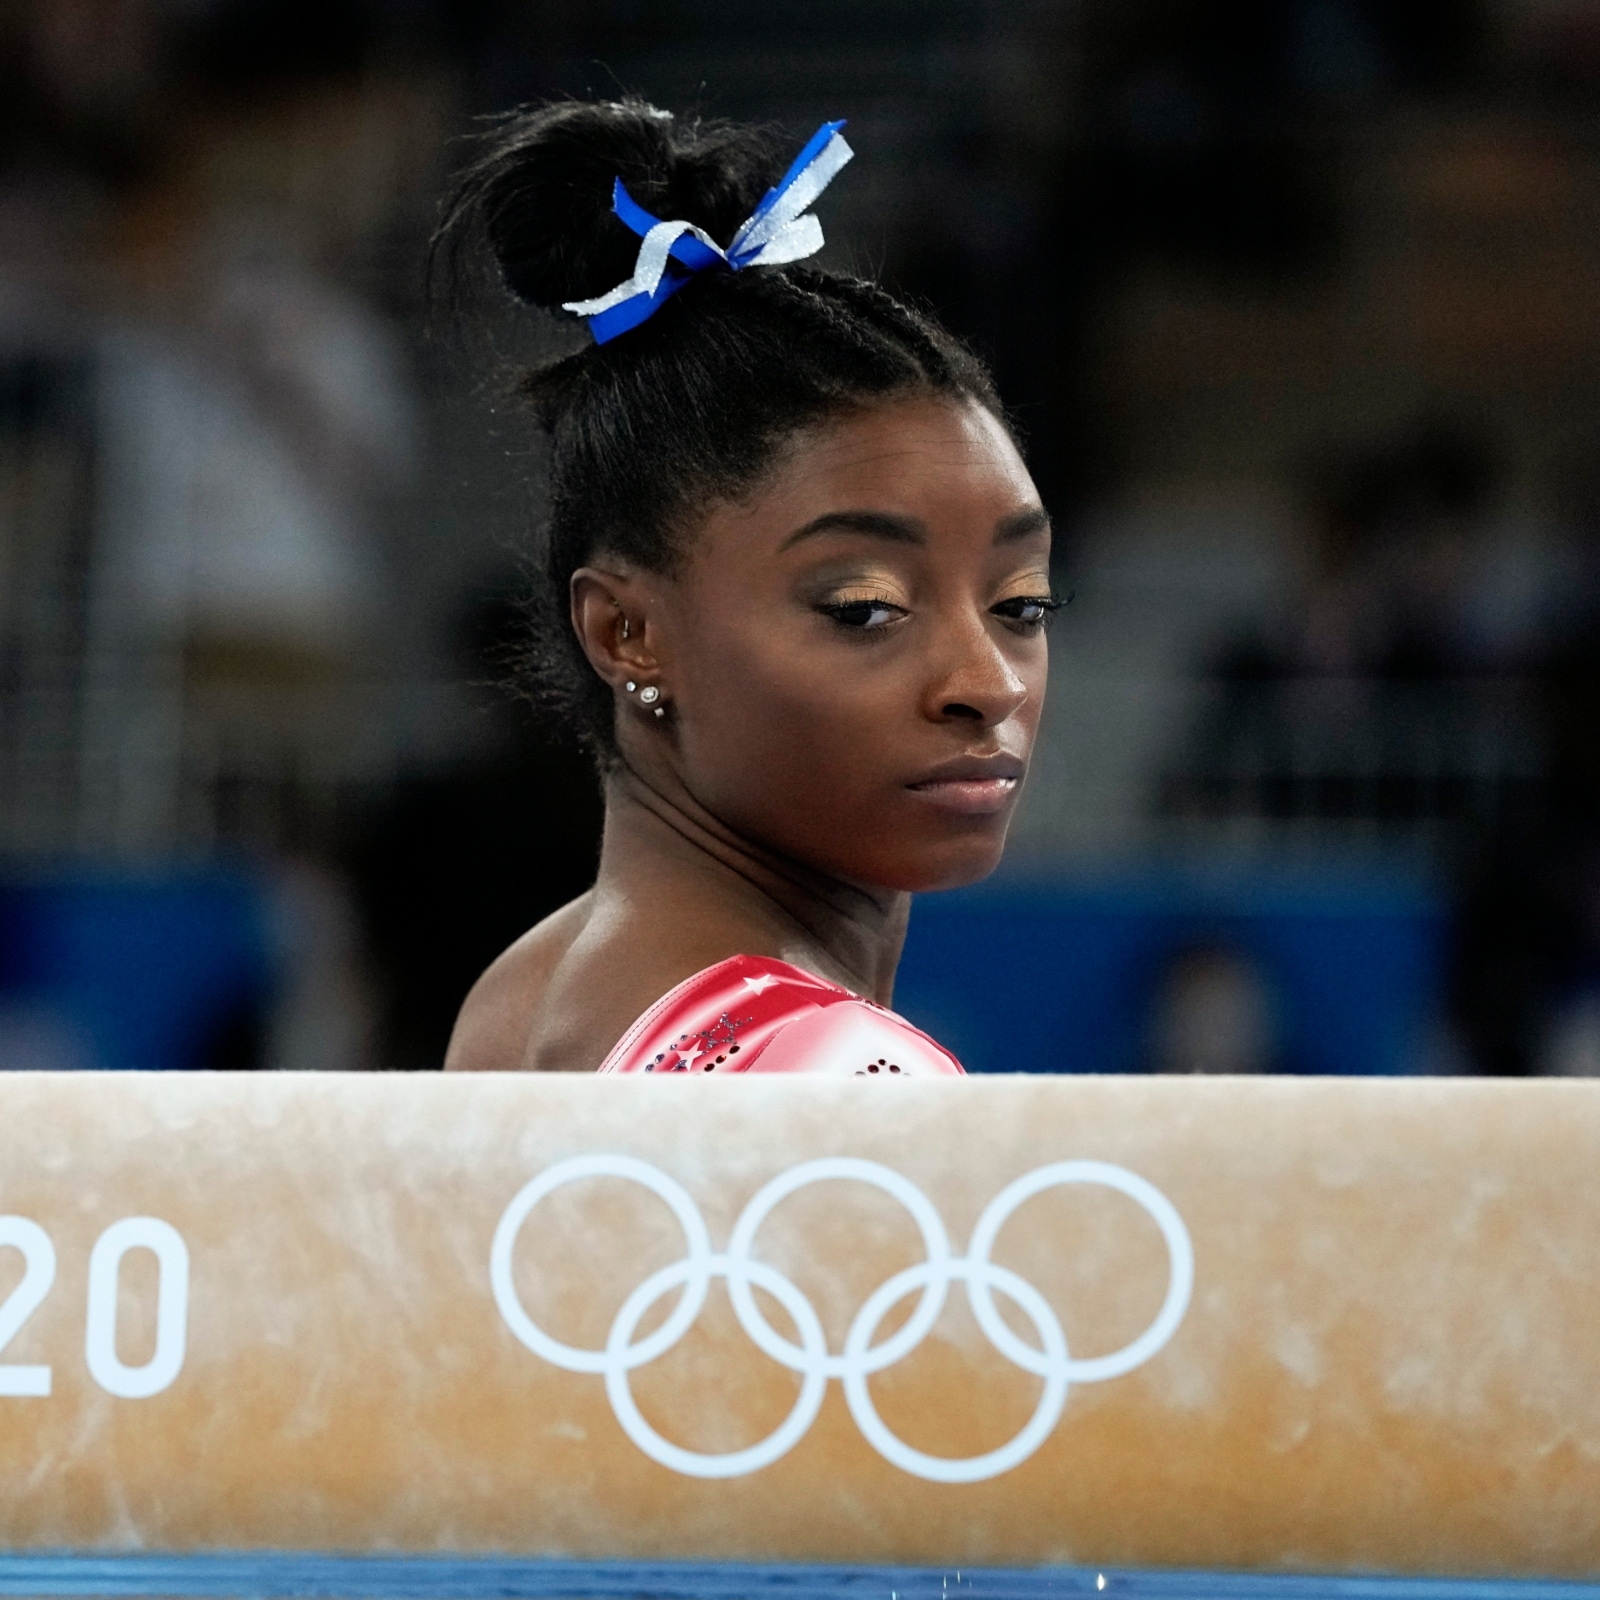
[(630, 686), (624, 627), (649, 695), (661, 711)]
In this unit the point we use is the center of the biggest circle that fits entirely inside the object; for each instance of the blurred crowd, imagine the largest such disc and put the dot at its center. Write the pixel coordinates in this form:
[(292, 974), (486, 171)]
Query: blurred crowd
[(1296, 302), (1436, 679)]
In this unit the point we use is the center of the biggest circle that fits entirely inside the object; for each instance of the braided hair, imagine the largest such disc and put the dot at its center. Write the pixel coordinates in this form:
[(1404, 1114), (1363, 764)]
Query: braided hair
[(692, 406)]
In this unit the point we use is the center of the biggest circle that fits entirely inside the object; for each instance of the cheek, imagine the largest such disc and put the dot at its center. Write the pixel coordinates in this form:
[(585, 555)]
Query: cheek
[(1034, 670), (770, 729)]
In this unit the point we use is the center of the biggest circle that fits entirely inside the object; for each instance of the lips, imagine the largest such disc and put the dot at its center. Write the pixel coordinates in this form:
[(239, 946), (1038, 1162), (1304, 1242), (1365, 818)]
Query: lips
[(973, 786)]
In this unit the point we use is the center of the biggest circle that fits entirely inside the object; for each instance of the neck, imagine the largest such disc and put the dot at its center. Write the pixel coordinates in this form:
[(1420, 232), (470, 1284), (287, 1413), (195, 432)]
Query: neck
[(661, 846)]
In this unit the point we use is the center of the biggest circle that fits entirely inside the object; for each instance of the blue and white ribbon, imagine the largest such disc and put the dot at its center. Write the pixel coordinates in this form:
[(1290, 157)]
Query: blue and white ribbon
[(779, 230)]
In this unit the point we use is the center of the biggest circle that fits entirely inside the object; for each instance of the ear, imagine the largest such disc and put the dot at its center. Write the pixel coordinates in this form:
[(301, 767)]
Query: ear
[(611, 616)]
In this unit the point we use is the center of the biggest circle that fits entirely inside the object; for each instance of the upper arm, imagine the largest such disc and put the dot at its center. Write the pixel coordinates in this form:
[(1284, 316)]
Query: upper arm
[(491, 1031), (496, 1021)]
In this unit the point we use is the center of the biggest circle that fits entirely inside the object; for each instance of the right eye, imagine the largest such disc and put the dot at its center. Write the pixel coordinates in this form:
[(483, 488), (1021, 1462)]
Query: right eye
[(865, 615)]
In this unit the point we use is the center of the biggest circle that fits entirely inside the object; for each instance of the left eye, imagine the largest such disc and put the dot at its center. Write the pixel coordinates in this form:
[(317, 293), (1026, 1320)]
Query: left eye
[(1026, 608)]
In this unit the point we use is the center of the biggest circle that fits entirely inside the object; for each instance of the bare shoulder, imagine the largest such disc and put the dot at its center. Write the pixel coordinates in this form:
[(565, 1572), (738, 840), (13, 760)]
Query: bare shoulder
[(560, 998), (618, 966), (494, 1030)]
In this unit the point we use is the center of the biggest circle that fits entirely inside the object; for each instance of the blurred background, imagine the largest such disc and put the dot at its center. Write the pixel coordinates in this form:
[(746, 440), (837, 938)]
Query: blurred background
[(1297, 303)]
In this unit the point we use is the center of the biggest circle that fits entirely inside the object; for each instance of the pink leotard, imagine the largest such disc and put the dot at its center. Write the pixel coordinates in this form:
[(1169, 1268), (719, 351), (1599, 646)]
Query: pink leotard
[(753, 1014)]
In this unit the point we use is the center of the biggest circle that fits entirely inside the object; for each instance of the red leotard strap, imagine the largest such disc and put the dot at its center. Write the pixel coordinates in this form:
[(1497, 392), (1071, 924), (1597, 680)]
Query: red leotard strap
[(751, 1013)]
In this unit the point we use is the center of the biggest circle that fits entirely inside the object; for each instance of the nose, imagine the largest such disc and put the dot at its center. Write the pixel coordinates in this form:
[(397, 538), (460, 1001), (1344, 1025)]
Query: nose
[(977, 684)]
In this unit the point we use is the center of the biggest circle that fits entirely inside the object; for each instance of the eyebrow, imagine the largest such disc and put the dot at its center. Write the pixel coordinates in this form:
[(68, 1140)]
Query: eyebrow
[(874, 524), (908, 530), (1022, 523)]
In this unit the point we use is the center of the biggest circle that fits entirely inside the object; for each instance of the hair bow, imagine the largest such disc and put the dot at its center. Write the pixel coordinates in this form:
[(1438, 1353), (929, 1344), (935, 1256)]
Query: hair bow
[(778, 230)]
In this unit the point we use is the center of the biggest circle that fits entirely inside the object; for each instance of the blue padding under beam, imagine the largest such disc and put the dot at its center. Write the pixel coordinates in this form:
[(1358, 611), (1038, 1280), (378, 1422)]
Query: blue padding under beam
[(281, 1576)]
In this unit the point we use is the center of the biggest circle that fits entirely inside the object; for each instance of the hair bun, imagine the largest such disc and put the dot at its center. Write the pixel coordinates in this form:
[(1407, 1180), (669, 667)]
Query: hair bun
[(541, 191)]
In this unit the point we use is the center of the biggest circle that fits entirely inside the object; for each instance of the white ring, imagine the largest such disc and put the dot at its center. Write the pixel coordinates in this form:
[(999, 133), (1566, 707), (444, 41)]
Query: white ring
[(736, 1463), (934, 1238), (698, 1277), (1180, 1275), (957, 1469), (860, 1358)]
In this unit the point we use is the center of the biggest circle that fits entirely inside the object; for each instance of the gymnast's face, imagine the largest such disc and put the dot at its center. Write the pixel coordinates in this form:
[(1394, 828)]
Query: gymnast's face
[(853, 656)]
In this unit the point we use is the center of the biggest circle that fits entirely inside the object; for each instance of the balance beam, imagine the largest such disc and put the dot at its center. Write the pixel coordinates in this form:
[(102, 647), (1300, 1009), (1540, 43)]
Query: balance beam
[(1289, 1326)]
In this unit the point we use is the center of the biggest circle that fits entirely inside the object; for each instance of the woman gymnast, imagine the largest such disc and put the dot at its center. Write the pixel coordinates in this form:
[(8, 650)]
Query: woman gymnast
[(793, 587)]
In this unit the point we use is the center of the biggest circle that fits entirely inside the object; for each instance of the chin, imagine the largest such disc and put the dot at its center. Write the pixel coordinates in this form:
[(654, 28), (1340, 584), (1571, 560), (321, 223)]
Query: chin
[(951, 865)]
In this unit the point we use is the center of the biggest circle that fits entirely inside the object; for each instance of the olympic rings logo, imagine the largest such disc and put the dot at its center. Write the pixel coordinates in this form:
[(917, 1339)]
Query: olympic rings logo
[(860, 1358)]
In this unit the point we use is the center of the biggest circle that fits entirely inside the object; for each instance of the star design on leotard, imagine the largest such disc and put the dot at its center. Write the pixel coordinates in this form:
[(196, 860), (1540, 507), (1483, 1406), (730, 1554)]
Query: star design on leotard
[(690, 1054), (760, 985)]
